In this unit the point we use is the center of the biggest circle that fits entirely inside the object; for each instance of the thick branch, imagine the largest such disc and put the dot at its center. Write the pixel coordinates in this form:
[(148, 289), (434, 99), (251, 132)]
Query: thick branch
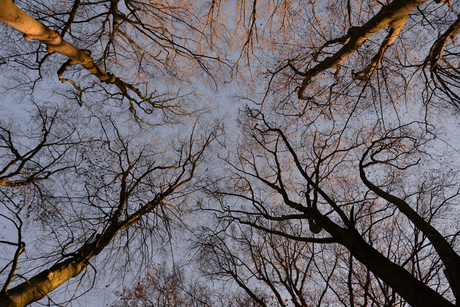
[(415, 292), (437, 49), (41, 284), (394, 16), (367, 72), (33, 29), (445, 251)]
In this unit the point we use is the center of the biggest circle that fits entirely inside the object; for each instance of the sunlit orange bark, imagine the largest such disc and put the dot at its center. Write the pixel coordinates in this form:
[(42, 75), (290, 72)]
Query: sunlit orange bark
[(393, 16), (33, 29), (46, 281)]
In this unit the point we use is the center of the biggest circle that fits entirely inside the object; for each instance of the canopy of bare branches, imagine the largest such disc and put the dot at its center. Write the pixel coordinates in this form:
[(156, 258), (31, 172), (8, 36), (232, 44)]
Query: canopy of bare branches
[(294, 153)]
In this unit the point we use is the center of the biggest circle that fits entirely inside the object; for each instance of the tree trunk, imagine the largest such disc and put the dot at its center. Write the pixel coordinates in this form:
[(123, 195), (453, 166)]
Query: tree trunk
[(41, 284), (33, 29), (393, 15), (407, 286), (46, 281)]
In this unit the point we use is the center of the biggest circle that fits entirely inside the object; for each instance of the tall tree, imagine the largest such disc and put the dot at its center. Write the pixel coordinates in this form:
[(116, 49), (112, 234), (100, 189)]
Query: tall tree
[(335, 194), (120, 194), (162, 286), (295, 198), (141, 49), (87, 182)]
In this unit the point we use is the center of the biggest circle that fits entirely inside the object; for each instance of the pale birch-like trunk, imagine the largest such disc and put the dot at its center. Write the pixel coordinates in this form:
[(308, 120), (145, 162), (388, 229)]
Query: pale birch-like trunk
[(41, 284)]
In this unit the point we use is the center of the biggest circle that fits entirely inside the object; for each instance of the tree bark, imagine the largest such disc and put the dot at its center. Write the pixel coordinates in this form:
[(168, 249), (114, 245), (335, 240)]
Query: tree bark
[(41, 284), (46, 281), (33, 29), (393, 15), (415, 292), (410, 288)]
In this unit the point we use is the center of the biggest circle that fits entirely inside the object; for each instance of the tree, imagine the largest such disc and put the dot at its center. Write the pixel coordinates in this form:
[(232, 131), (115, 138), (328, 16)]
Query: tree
[(131, 33), (161, 287), (291, 204), (116, 183), (121, 192), (335, 194)]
